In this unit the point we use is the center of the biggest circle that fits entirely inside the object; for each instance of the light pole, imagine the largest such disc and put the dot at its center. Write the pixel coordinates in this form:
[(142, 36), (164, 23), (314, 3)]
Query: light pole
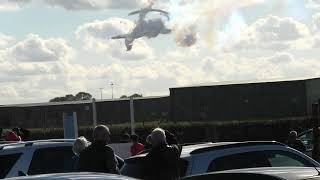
[(101, 92), (112, 84)]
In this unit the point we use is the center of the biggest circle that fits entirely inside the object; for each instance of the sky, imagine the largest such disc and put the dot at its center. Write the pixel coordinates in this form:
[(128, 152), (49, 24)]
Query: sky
[(51, 48)]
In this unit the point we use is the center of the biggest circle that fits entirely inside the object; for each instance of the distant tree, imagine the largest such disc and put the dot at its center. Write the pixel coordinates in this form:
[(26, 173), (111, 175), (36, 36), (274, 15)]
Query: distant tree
[(133, 95), (69, 97), (83, 96), (136, 95)]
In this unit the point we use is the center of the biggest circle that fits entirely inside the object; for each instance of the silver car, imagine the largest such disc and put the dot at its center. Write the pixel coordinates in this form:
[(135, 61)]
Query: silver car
[(212, 157)]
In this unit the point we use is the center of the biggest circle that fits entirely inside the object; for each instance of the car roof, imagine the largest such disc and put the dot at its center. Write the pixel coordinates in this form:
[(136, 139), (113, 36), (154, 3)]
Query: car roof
[(74, 176), (23, 144), (292, 173), (206, 147), (201, 148)]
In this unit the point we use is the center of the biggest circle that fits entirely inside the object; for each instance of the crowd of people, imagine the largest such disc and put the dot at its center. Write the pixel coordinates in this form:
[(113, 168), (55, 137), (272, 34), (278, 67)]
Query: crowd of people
[(161, 162), (14, 134)]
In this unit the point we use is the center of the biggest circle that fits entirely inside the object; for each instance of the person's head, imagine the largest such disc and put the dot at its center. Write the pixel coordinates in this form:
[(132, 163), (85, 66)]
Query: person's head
[(101, 133), (293, 136), (126, 137), (134, 138), (158, 137), (79, 145)]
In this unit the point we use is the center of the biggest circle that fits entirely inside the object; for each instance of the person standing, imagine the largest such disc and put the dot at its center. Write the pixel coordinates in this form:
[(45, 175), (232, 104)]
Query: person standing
[(136, 147), (162, 162), (99, 157), (80, 144), (295, 143)]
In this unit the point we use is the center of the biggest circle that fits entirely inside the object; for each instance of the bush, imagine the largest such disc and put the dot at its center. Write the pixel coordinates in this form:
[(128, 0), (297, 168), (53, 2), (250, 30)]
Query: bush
[(196, 131)]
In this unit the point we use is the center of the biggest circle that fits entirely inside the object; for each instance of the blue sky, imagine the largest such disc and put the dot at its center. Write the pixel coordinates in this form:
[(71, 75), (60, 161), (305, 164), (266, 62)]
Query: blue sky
[(50, 48)]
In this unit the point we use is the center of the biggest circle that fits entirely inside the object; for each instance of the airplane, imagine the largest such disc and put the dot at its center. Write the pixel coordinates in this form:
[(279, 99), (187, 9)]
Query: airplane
[(150, 28)]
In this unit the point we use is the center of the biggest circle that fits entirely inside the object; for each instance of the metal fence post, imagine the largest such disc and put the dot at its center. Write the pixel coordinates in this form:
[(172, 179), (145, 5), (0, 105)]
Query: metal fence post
[(94, 112), (132, 116), (315, 124)]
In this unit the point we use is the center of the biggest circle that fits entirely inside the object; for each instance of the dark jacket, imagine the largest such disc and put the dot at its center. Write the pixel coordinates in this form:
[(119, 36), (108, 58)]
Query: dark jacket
[(162, 163), (298, 145), (98, 157)]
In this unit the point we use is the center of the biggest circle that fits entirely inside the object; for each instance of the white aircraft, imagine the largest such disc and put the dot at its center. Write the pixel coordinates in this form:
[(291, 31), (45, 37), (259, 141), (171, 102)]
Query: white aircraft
[(150, 28)]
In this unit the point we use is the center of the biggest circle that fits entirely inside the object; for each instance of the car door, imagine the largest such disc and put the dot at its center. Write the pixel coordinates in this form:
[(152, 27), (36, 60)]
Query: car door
[(7, 163), (249, 157), (51, 160)]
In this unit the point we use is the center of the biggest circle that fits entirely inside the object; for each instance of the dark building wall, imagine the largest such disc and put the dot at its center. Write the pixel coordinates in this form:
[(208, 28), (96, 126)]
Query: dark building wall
[(313, 93), (238, 102), (117, 111), (151, 109), (113, 111)]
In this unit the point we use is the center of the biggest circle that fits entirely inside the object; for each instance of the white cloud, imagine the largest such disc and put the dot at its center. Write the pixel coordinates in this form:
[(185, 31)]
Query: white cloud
[(272, 33), (313, 4), (280, 65), (97, 35), (96, 4), (5, 40), (36, 49), (316, 22), (9, 5)]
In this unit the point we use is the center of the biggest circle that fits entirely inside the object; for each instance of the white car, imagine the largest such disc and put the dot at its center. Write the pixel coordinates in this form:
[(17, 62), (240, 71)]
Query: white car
[(212, 157), (74, 176), (37, 157), (269, 173)]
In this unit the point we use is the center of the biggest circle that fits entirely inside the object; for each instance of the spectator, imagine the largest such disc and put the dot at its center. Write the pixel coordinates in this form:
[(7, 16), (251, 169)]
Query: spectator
[(162, 162), (12, 136), (79, 145), (99, 157), (136, 147), (171, 138), (125, 138), (148, 144), (23, 133), (295, 143), (316, 144)]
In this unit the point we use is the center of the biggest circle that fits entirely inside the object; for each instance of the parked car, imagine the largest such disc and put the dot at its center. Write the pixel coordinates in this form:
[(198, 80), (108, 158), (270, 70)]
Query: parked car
[(307, 137), (74, 176), (37, 157), (273, 173), (212, 157)]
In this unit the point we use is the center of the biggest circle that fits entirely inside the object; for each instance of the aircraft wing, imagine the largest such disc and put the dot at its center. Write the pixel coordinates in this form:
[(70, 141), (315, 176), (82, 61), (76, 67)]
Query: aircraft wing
[(134, 12), (118, 37)]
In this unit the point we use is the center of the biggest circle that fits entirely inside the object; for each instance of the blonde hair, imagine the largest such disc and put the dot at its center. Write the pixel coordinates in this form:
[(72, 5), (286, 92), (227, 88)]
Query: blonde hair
[(79, 145)]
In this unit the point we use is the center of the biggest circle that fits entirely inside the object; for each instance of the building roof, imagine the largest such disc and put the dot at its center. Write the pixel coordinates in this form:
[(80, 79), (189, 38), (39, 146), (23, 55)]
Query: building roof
[(226, 83), (75, 102)]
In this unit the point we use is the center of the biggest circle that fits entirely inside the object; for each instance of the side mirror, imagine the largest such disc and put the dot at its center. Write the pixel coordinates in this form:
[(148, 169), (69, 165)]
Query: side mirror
[(20, 173)]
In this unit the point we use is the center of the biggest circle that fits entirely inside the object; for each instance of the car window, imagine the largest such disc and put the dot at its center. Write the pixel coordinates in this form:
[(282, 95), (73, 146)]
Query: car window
[(51, 160), (239, 161), (281, 158), (258, 159), (7, 162)]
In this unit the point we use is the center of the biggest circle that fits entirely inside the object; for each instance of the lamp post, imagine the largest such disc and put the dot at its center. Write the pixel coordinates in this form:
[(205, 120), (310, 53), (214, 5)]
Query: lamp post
[(101, 92), (112, 84)]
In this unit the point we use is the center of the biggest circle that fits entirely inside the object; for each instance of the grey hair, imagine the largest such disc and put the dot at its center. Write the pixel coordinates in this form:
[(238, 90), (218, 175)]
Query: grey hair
[(293, 133), (79, 145), (158, 136)]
